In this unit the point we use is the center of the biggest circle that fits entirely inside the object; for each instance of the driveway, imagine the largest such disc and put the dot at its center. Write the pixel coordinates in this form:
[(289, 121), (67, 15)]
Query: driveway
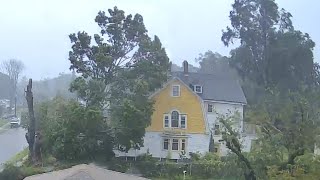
[(84, 172)]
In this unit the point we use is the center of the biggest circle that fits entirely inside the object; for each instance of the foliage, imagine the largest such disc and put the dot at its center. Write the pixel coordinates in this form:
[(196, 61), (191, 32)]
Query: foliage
[(5, 84), (147, 165), (3, 122), (118, 165), (118, 72), (131, 115), (72, 131), (231, 136), (18, 157), (123, 44), (307, 167), (211, 62), (208, 166), (47, 88), (271, 53), (289, 122), (10, 172)]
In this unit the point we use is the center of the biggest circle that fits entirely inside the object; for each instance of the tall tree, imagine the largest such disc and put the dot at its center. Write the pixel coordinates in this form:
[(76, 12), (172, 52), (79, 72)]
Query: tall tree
[(121, 60), (13, 68), (254, 23)]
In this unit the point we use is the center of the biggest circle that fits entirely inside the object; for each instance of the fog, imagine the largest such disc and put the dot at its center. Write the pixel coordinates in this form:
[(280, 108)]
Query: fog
[(36, 31)]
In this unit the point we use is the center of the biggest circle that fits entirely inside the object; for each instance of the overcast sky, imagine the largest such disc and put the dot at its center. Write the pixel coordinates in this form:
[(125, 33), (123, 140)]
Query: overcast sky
[(36, 31)]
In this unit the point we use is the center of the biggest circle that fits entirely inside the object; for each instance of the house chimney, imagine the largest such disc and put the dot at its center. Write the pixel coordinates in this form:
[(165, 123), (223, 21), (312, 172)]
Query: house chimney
[(185, 68)]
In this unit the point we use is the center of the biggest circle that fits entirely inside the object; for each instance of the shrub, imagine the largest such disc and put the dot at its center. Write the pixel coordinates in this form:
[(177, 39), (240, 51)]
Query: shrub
[(10, 172), (118, 165), (31, 170), (208, 166), (147, 166)]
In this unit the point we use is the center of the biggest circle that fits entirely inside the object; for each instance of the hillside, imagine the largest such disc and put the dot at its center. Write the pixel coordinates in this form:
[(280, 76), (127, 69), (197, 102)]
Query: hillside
[(47, 88)]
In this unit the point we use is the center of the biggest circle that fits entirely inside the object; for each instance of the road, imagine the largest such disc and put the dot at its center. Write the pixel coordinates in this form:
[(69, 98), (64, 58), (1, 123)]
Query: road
[(84, 172), (12, 141)]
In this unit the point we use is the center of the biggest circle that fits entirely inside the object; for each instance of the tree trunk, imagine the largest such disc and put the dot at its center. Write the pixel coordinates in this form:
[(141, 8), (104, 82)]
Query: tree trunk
[(34, 153)]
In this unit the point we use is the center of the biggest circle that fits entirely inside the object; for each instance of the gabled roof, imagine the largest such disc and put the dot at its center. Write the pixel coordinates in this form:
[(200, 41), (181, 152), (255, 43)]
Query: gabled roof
[(169, 82), (215, 87)]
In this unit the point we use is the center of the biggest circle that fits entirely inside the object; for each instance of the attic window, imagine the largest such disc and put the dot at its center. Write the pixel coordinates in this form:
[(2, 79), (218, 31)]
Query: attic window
[(197, 88), (175, 91)]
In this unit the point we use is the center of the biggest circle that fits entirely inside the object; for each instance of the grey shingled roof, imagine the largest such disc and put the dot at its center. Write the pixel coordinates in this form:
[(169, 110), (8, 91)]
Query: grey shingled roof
[(217, 87)]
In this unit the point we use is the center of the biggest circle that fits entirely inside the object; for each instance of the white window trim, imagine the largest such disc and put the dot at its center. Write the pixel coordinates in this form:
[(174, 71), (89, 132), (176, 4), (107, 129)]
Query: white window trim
[(164, 124), (177, 85), (185, 145), (170, 142), (195, 88), (179, 120), (186, 120), (208, 108), (169, 146), (178, 144)]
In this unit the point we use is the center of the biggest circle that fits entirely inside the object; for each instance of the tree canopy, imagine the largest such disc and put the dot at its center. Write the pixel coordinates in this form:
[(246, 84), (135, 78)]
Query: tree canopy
[(119, 67), (271, 51)]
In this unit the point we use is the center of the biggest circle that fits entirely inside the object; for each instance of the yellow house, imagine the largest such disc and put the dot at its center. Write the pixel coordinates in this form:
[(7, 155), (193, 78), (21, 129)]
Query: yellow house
[(186, 109)]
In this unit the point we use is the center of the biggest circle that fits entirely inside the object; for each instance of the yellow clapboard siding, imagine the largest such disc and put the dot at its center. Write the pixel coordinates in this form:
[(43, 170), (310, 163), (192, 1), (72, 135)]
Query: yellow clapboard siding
[(188, 103)]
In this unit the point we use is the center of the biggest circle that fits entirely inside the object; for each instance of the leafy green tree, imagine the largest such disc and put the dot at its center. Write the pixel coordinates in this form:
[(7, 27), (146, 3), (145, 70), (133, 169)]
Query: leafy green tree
[(288, 122), (253, 21), (231, 136), (271, 52), (70, 130), (118, 71)]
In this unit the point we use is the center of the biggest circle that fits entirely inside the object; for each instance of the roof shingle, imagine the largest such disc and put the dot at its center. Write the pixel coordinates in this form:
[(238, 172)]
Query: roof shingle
[(216, 87)]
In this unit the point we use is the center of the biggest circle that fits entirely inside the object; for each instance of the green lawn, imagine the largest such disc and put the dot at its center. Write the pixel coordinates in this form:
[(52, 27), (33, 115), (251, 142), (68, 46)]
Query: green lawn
[(3, 122), (18, 157)]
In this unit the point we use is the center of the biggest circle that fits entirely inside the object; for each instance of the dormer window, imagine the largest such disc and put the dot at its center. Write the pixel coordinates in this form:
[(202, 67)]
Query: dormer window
[(197, 88)]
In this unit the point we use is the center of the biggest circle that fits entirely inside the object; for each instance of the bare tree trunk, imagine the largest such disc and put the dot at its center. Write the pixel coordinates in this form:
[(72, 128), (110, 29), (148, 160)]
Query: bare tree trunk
[(32, 139)]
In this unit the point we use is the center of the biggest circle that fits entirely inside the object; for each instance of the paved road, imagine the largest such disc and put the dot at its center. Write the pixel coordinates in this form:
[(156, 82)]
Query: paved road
[(12, 141), (84, 172)]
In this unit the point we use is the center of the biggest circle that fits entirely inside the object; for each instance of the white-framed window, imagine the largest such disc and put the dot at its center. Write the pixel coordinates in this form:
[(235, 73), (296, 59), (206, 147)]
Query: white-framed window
[(183, 144), (166, 143), (197, 88), (175, 145), (166, 120), (175, 90), (175, 119), (210, 107), (183, 121)]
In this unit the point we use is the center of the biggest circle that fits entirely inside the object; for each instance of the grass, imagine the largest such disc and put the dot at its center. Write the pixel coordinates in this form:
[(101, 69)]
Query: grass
[(18, 157), (5, 126), (3, 122)]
